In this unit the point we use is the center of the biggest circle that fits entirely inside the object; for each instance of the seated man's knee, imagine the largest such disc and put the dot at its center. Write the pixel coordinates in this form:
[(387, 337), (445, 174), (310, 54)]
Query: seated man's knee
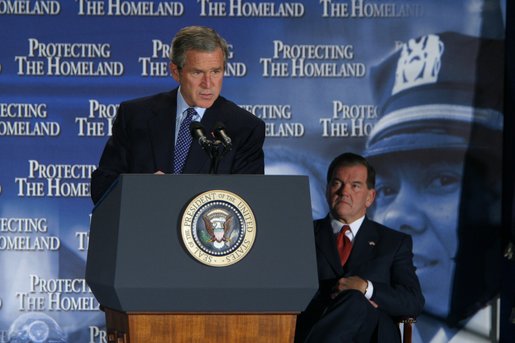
[(353, 298)]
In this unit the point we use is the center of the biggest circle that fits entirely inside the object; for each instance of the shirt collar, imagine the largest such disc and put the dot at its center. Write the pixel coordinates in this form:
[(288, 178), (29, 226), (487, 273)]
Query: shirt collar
[(182, 106), (354, 226)]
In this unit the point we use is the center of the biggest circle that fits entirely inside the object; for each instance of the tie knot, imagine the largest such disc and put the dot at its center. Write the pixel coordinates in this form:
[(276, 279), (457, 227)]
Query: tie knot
[(190, 112), (346, 232)]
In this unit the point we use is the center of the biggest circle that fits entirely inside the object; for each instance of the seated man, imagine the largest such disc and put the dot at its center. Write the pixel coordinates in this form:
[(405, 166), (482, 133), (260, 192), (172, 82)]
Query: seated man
[(365, 270)]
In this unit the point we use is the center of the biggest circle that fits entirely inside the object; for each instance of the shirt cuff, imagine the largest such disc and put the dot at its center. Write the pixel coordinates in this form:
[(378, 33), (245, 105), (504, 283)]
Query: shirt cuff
[(370, 290)]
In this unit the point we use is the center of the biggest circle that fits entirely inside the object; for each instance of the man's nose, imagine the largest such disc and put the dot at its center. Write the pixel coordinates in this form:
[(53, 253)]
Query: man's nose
[(343, 189), (347, 188), (404, 214), (206, 80)]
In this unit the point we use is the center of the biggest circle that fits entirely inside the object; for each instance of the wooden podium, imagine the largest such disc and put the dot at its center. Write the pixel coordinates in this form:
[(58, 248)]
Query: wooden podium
[(199, 327), (153, 290)]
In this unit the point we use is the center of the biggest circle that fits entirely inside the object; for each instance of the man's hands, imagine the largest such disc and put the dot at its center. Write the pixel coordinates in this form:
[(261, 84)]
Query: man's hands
[(351, 282), (347, 283)]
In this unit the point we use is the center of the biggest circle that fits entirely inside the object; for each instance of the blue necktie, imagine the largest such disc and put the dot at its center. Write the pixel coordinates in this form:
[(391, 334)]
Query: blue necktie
[(183, 142)]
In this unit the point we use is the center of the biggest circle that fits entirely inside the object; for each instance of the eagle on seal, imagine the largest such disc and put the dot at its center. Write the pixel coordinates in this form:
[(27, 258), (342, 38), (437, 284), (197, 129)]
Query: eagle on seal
[(218, 227)]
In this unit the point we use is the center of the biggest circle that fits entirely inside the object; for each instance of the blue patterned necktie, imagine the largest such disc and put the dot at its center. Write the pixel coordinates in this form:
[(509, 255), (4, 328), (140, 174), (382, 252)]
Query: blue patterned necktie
[(183, 142)]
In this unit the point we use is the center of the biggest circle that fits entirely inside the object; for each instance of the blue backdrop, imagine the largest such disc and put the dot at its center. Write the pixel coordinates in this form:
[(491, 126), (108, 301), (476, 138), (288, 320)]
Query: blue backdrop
[(304, 67)]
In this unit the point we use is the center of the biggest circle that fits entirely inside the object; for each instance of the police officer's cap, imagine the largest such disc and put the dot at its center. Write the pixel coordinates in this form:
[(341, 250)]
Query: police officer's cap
[(435, 92)]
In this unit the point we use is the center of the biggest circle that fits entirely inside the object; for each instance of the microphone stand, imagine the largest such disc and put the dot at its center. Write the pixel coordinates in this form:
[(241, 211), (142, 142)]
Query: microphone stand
[(217, 151)]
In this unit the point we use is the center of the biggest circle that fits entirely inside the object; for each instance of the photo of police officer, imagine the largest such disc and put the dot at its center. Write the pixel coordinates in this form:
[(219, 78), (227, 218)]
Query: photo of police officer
[(437, 148)]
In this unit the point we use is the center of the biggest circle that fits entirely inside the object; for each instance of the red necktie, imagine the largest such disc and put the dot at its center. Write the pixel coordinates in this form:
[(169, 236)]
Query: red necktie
[(344, 244)]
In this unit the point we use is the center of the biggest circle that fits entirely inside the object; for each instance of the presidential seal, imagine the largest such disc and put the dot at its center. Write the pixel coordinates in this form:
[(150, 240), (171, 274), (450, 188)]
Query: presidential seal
[(218, 228)]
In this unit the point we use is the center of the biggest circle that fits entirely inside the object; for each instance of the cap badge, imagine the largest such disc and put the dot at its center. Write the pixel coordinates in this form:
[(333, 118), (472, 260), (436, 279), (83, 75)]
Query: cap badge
[(419, 63)]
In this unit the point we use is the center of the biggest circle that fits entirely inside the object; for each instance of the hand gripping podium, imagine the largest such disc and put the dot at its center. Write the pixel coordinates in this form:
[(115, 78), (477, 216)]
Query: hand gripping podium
[(159, 278)]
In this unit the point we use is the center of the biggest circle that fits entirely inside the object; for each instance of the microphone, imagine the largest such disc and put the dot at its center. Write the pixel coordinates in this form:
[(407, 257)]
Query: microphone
[(219, 132), (199, 133)]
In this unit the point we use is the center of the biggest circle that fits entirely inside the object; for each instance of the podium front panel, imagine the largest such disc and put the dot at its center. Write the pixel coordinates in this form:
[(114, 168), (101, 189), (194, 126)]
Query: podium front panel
[(137, 261)]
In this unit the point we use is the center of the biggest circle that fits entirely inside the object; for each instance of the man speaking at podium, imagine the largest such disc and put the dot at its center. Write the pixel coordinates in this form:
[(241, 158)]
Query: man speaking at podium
[(152, 134)]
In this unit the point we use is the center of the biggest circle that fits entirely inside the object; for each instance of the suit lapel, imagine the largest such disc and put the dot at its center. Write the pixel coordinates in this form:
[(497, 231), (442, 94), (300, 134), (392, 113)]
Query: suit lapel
[(327, 244), (364, 246), (162, 131)]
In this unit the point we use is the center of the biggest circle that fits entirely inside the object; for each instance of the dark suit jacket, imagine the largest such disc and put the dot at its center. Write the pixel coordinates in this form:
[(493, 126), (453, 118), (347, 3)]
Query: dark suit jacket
[(379, 254), (143, 141)]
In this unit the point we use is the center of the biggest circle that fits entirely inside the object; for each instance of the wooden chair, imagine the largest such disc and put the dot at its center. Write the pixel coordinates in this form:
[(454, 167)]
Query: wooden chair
[(407, 328)]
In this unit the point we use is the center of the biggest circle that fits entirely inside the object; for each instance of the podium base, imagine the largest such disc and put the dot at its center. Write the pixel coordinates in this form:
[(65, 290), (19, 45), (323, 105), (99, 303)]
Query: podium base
[(199, 327)]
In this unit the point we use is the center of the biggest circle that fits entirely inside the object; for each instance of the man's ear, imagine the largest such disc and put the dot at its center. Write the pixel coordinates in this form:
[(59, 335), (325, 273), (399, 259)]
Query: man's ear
[(174, 70), (370, 197)]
